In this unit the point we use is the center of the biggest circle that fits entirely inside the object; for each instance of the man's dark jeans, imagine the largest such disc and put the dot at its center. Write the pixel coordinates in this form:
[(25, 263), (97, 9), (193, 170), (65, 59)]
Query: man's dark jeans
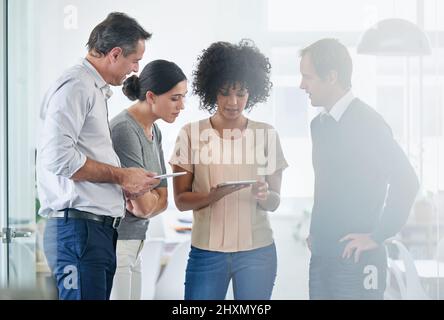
[(82, 256), (333, 278)]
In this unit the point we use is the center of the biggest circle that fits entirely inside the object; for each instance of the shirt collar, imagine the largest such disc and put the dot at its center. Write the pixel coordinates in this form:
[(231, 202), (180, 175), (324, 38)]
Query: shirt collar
[(98, 79), (341, 106)]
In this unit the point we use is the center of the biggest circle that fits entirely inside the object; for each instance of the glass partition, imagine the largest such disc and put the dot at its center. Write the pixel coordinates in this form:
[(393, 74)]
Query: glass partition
[(39, 52), (3, 171), (23, 61)]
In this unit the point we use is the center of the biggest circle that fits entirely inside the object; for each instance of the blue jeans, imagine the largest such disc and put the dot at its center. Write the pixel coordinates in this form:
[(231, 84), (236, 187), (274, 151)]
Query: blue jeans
[(82, 256), (208, 274), (335, 278)]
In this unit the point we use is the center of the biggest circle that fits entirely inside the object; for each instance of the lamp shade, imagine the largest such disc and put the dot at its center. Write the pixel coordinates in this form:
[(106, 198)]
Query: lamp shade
[(394, 37)]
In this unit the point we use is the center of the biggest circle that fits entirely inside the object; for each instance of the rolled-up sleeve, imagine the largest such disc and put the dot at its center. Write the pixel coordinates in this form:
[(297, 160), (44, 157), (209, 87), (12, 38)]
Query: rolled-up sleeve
[(65, 115)]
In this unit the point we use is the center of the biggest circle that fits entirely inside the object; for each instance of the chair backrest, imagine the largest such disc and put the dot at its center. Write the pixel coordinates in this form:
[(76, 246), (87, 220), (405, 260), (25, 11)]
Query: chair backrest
[(170, 285), (409, 285), (151, 256), (396, 288)]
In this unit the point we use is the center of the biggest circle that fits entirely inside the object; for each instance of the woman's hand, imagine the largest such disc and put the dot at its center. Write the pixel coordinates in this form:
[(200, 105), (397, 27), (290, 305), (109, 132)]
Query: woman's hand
[(260, 190), (187, 199), (143, 206), (129, 206)]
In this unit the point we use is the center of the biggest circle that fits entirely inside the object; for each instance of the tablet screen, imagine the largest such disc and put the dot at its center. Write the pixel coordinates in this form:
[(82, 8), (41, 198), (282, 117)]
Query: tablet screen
[(236, 183)]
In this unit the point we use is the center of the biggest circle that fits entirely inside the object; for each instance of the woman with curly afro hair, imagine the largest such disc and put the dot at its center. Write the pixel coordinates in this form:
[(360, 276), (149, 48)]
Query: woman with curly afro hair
[(231, 236)]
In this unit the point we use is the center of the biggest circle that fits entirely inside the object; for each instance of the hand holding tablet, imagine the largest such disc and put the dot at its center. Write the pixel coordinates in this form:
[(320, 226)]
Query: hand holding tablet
[(225, 188)]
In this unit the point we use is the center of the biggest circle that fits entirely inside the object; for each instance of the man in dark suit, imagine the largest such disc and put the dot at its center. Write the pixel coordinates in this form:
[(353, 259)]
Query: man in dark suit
[(364, 183)]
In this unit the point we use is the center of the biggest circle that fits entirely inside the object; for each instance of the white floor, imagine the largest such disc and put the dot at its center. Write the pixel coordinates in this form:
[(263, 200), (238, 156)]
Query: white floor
[(293, 258)]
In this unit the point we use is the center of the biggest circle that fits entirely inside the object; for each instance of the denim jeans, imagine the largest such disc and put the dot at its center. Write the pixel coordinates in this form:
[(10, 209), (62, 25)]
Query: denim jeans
[(336, 278), (82, 256), (208, 274)]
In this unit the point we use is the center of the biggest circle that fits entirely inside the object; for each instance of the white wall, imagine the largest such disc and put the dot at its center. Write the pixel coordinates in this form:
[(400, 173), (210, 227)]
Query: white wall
[(181, 30)]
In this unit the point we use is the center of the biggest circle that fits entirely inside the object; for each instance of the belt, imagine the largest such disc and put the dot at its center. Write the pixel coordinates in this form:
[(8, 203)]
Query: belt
[(77, 214)]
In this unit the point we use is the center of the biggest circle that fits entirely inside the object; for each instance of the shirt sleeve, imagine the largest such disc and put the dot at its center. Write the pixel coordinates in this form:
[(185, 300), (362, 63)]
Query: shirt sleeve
[(66, 112), (275, 155), (163, 183), (127, 145), (402, 180), (182, 151), (281, 162)]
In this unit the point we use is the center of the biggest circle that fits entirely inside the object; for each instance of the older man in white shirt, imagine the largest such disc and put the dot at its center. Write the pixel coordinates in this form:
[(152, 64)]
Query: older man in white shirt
[(81, 186)]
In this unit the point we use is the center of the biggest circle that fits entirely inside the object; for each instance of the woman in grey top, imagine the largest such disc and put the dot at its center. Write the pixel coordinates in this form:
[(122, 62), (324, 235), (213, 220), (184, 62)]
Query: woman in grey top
[(160, 92)]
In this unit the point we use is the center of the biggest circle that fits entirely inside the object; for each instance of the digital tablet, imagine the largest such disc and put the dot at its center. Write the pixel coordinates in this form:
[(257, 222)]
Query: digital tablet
[(170, 175), (236, 183)]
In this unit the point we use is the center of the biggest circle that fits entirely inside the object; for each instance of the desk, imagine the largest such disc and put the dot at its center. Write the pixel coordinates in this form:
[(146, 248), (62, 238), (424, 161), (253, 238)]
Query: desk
[(163, 227), (171, 219), (428, 269), (431, 276), (421, 237)]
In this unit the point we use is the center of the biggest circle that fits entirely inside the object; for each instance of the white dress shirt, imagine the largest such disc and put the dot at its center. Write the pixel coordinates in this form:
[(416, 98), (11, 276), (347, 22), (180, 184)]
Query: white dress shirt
[(340, 106), (75, 127)]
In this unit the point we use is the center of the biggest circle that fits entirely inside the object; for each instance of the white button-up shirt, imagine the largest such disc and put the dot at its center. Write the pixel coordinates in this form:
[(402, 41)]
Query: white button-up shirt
[(340, 106), (75, 127)]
